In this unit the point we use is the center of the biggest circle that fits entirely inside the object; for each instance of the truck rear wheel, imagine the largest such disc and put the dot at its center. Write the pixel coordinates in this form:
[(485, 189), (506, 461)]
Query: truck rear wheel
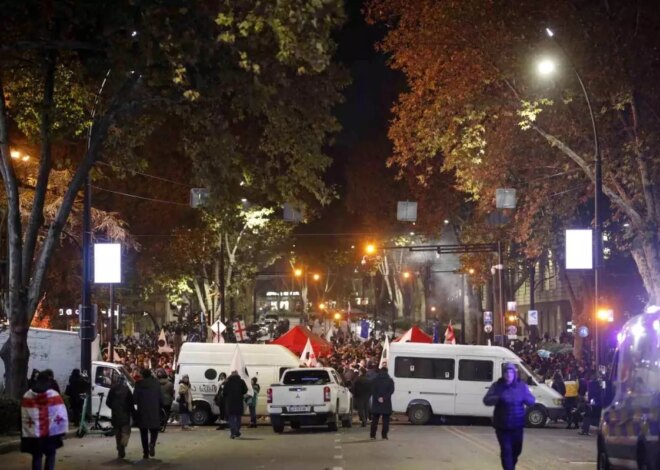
[(419, 414), (334, 424), (278, 424)]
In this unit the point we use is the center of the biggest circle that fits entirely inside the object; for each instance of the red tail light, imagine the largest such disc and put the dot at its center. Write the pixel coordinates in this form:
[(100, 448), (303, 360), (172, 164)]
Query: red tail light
[(269, 395), (326, 394)]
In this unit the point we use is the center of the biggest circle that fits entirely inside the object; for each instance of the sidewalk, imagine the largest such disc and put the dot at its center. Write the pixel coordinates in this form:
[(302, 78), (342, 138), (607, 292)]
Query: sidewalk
[(12, 442)]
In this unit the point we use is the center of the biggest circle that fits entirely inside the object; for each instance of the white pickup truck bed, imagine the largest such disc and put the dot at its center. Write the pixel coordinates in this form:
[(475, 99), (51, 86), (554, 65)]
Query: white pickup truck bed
[(308, 397)]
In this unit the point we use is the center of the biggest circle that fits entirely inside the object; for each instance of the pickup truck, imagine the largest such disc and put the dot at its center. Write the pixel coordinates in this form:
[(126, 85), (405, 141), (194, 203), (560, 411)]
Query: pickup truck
[(309, 397)]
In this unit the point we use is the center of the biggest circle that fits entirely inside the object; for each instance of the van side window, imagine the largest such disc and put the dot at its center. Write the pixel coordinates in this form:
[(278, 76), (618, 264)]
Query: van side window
[(283, 370), (424, 368), (475, 371)]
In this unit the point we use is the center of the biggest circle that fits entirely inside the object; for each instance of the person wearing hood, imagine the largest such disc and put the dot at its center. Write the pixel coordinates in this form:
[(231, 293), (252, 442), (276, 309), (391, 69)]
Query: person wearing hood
[(509, 396), (234, 392), (185, 402), (167, 387), (120, 402), (44, 420), (382, 389)]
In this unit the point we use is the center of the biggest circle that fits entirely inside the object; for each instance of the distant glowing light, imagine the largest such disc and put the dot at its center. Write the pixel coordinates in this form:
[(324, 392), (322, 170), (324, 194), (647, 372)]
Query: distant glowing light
[(446, 221), (15, 154), (412, 234), (653, 309), (620, 337), (626, 225), (546, 67), (549, 32), (370, 249)]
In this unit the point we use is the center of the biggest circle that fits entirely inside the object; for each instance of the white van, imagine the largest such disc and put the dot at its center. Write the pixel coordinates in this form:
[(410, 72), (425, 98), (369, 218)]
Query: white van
[(451, 380), (204, 362), (630, 424), (104, 374)]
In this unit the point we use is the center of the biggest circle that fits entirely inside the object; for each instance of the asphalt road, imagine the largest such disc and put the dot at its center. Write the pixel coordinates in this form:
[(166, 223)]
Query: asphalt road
[(410, 447)]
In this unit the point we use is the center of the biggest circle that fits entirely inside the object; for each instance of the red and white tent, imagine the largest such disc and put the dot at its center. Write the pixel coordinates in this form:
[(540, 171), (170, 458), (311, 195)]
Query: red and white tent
[(414, 335)]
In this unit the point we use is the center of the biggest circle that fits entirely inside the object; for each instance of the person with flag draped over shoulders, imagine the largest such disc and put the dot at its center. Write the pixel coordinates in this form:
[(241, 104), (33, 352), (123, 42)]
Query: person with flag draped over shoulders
[(509, 396), (44, 420)]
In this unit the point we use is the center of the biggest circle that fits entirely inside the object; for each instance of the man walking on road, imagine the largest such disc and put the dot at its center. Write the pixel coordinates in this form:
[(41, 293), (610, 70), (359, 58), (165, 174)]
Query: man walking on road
[(149, 400), (362, 393), (120, 402), (381, 402), (234, 391), (509, 396)]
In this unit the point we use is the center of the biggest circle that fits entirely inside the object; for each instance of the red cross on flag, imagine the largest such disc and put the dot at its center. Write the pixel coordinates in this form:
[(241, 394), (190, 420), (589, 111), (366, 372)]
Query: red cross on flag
[(239, 330)]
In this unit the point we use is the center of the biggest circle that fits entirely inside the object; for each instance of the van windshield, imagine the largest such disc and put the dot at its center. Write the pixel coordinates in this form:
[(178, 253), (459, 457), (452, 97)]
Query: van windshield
[(306, 377)]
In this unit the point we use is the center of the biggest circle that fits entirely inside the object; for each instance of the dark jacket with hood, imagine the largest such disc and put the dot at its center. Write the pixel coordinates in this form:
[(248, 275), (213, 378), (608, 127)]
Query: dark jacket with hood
[(382, 388), (509, 402), (120, 401)]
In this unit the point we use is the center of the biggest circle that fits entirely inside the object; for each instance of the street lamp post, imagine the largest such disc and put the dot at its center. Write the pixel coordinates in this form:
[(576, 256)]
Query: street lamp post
[(546, 67)]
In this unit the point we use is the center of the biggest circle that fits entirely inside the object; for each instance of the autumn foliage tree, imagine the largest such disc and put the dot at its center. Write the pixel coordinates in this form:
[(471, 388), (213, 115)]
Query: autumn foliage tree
[(476, 103)]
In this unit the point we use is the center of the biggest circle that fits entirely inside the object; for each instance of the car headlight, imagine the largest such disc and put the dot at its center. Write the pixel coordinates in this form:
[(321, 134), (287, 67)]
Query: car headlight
[(558, 401)]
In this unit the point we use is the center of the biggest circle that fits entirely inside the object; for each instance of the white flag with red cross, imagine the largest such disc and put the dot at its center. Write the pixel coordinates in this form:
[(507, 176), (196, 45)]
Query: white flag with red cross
[(239, 330)]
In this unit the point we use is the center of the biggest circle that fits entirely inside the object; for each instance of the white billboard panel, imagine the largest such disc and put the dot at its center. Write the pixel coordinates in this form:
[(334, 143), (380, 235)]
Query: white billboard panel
[(579, 249)]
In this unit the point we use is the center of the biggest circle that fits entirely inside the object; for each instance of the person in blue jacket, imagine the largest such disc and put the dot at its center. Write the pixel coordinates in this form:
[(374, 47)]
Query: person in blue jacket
[(509, 396)]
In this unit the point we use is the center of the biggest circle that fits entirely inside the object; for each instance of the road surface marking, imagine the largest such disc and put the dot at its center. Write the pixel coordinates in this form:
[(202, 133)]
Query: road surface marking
[(339, 457)]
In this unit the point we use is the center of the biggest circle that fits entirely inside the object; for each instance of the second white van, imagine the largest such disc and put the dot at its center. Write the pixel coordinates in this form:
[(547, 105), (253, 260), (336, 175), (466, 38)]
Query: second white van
[(204, 362), (451, 380)]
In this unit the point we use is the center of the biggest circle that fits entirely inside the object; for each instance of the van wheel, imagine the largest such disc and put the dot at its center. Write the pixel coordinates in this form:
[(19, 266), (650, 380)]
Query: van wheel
[(419, 414), (278, 424), (200, 414), (537, 417), (603, 462)]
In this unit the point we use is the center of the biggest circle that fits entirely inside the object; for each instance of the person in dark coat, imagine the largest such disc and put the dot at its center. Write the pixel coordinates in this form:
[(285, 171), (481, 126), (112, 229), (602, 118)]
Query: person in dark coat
[(234, 391), (167, 388), (120, 402), (74, 390), (44, 420), (149, 400), (362, 392), (381, 402), (509, 396), (219, 400), (595, 404)]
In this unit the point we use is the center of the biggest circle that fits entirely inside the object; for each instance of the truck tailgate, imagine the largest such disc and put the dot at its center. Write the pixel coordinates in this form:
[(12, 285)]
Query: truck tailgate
[(298, 398)]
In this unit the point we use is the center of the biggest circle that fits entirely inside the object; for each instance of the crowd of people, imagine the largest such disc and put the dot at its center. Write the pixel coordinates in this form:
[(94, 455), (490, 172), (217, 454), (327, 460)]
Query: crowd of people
[(356, 360)]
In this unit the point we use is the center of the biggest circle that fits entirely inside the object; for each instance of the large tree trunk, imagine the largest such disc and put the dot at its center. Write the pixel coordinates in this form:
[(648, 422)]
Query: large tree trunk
[(646, 253)]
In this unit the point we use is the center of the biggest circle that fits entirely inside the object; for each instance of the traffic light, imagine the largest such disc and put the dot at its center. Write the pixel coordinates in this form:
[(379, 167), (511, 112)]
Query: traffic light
[(511, 319)]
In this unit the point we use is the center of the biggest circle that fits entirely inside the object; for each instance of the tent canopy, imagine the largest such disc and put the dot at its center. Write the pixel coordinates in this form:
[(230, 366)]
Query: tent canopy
[(414, 335), (296, 339)]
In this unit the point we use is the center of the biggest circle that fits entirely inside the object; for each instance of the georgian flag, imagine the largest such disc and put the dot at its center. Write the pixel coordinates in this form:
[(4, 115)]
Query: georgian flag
[(43, 414), (239, 331)]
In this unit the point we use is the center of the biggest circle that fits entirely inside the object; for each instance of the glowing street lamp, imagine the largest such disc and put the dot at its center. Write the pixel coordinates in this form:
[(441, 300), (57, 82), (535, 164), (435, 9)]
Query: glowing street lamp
[(370, 249), (322, 306), (316, 277), (471, 271), (16, 155), (605, 315), (297, 272), (546, 67), (406, 275)]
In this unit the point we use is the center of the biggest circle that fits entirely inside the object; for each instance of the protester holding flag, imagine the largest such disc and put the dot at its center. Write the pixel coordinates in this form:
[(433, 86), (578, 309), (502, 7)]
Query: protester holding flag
[(234, 391)]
